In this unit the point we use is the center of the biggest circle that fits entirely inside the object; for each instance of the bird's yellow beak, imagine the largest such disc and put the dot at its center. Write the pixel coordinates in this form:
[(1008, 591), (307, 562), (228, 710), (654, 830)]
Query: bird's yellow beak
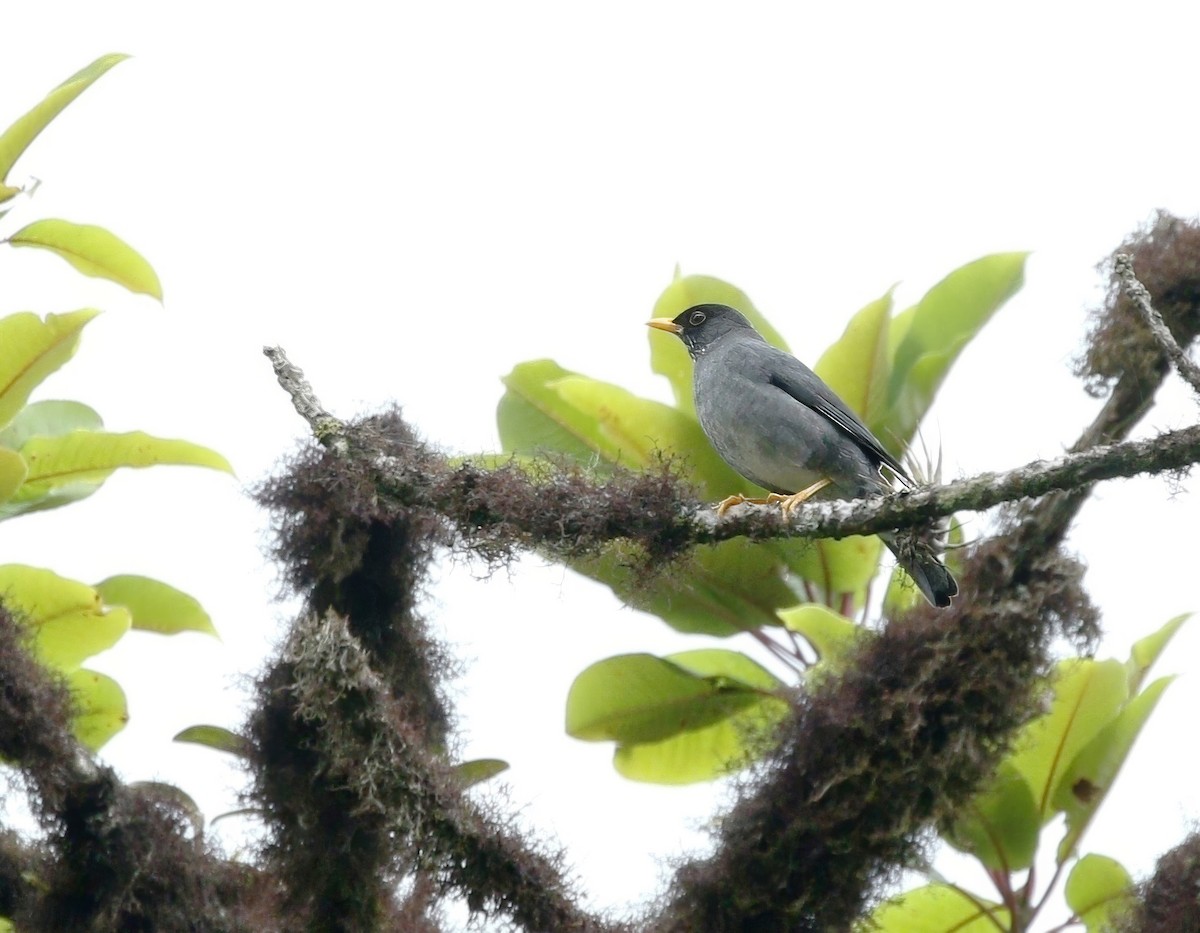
[(665, 323)]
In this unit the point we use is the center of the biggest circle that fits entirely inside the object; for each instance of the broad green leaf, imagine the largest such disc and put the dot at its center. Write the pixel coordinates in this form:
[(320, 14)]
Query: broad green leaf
[(702, 754), (16, 139), (101, 710), (857, 366), (637, 698), (936, 908), (636, 432), (66, 641), (839, 567), (93, 251), (479, 770), (1087, 695), (68, 621), (1146, 651), (721, 590), (831, 634), (156, 606), (1000, 826), (727, 668), (532, 418), (71, 467), (31, 349), (1092, 772), (1097, 890), (926, 339), (12, 473), (49, 419), (218, 737), (668, 357), (708, 752)]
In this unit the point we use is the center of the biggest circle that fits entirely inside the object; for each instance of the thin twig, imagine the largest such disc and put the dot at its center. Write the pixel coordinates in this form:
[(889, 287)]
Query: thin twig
[(1140, 296)]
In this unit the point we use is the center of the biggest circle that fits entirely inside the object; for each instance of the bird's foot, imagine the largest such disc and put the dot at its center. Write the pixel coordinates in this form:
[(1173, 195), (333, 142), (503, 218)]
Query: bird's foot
[(737, 499), (789, 503)]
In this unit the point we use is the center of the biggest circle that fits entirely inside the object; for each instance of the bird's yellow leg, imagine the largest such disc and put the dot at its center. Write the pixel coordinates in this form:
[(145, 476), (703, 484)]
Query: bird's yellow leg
[(788, 503)]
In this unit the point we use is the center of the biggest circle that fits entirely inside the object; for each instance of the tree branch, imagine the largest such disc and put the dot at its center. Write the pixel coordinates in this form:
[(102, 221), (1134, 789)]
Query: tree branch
[(465, 494), (1171, 451), (1140, 296)]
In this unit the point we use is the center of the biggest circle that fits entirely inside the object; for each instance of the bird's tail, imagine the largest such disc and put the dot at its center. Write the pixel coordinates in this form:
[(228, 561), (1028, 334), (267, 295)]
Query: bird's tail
[(922, 563)]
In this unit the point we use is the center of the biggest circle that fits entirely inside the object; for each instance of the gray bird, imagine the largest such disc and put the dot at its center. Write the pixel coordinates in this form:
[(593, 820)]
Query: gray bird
[(779, 425)]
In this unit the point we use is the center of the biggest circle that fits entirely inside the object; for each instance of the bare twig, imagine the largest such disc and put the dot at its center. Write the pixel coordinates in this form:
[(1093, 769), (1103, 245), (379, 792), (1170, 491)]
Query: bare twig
[(1140, 296), (328, 430)]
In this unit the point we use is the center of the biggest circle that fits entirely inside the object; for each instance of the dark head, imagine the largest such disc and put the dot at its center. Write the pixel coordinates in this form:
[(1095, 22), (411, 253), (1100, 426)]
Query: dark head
[(700, 326)]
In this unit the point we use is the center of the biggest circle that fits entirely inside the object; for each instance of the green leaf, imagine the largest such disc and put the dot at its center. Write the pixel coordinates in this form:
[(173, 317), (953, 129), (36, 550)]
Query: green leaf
[(93, 251), (548, 408), (16, 139), (837, 568), (635, 432), (702, 754), (71, 467), (1000, 826), (101, 710), (49, 419), (1087, 695), (831, 634), (68, 621), (668, 357), (156, 606), (857, 366), (12, 473), (927, 338), (479, 770), (1092, 772), (710, 751), (720, 590), (223, 740), (532, 418), (1097, 890), (637, 698), (936, 908), (727, 668), (31, 349), (1146, 651)]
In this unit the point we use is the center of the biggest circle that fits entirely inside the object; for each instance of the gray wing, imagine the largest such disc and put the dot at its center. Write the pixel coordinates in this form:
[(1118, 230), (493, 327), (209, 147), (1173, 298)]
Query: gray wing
[(807, 388)]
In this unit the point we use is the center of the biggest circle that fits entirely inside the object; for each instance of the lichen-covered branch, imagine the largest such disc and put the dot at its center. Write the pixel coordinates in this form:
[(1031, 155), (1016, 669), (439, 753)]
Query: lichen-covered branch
[(114, 857), (563, 508), (1140, 296), (327, 429)]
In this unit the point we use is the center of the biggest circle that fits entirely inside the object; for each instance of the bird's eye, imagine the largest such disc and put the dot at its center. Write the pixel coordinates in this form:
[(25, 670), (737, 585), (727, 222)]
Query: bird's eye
[(696, 318)]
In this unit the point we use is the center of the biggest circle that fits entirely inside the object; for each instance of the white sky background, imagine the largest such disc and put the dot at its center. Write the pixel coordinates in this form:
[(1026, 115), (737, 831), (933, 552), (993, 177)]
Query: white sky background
[(412, 198)]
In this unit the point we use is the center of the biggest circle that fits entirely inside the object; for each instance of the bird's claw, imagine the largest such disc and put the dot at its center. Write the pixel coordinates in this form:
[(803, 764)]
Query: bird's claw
[(789, 503), (737, 499)]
